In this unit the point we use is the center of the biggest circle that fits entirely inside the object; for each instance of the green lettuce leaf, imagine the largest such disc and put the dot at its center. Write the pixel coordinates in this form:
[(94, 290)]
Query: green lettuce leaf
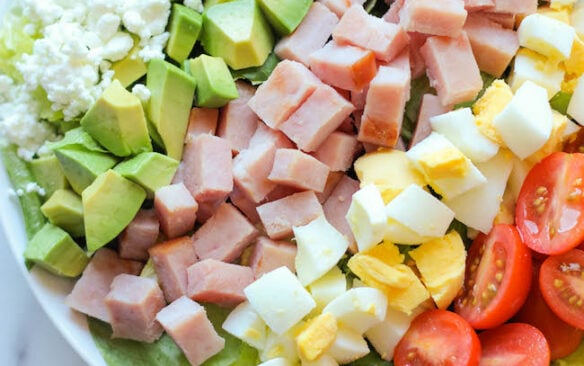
[(419, 87), (14, 42), (560, 102), (372, 359), (259, 74)]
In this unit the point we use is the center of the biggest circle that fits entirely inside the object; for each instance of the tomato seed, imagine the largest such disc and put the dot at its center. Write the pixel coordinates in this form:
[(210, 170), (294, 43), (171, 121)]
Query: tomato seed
[(499, 263), (572, 300), (499, 276), (541, 191), (558, 283)]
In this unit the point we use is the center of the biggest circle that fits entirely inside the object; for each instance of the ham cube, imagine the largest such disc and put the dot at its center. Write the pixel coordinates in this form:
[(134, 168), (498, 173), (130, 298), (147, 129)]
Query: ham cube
[(202, 120), (337, 205), (188, 325), (338, 151), (452, 68), (320, 115), (440, 18), (339, 7), (207, 209), (384, 107), (392, 14), (310, 35), (289, 84), (139, 236), (88, 294), (474, 5), (176, 209), (237, 122), (331, 182), (268, 254), (356, 27), (133, 303), (343, 66), (171, 260), (506, 20), (429, 107), (217, 282), (417, 63), (492, 45), (248, 207), (297, 169), (225, 235), (208, 173), (523, 7), (279, 216)]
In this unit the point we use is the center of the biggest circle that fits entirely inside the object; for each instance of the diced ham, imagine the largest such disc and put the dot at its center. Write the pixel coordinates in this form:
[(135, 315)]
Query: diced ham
[(90, 290), (310, 35), (289, 84), (188, 325), (279, 216), (225, 235), (295, 168), (268, 254), (339, 7), (338, 151), (237, 122), (441, 18), (348, 125), (208, 209), (392, 14), (358, 98), (337, 205), (139, 236), (320, 115), (202, 120), (133, 303), (493, 46), (507, 20), (208, 171), (244, 204), (474, 5), (179, 175), (417, 63), (176, 209), (171, 260), (452, 68), (217, 282), (523, 7), (343, 66), (384, 107), (356, 27), (429, 107), (331, 182)]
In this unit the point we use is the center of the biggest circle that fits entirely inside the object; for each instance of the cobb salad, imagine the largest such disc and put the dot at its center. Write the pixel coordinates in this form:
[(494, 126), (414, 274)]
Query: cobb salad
[(259, 182)]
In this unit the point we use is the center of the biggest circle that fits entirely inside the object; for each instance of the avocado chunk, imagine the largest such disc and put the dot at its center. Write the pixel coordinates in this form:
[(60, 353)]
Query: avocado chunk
[(117, 122), (237, 32), (185, 26), (172, 92), (131, 68), (209, 3), (82, 166), (77, 137), (109, 204), (53, 249), (65, 210), (215, 85), (150, 170), (48, 174), (285, 15)]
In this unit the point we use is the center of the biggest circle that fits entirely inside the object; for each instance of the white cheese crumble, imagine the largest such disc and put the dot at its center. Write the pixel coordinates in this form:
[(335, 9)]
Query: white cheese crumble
[(142, 92), (195, 4)]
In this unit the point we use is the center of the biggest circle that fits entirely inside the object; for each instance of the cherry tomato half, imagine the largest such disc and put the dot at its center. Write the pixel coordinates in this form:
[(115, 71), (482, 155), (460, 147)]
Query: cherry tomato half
[(514, 344), (497, 278), (438, 337), (561, 280), (550, 206)]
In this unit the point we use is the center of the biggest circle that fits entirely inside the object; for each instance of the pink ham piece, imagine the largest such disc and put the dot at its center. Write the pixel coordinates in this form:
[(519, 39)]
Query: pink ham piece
[(331, 182), (202, 120), (452, 68), (176, 209), (343, 66), (417, 63), (441, 18), (289, 84), (310, 35), (320, 115), (358, 98), (208, 171), (268, 254), (506, 20), (133, 303), (474, 5), (392, 14), (337, 205), (429, 107), (179, 175), (237, 122), (523, 7), (225, 235), (338, 151), (188, 325), (207, 209), (253, 165), (171, 260), (244, 204), (356, 27), (295, 168), (90, 290), (139, 236), (279, 216), (339, 7), (217, 282), (492, 45)]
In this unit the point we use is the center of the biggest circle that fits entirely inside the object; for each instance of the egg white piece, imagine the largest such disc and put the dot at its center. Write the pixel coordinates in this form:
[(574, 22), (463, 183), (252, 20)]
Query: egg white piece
[(348, 346), (359, 308), (576, 105), (546, 35), (577, 17), (324, 360), (245, 323), (536, 68), (328, 287), (366, 216), (280, 347)]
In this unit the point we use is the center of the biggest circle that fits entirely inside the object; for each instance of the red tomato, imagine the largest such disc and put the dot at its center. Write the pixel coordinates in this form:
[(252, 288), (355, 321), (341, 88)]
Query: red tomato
[(497, 278), (438, 337), (550, 206), (561, 280), (514, 344)]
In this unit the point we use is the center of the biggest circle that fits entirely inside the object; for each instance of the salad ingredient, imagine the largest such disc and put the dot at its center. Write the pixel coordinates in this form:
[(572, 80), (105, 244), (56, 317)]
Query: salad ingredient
[(358, 308), (546, 214), (245, 323), (338, 151), (436, 336), (284, 16), (131, 68), (514, 344), (526, 67), (176, 210), (204, 120), (65, 210), (366, 217), (559, 279), (237, 32), (237, 122), (348, 346), (445, 19), (150, 170), (339, 7), (290, 168), (317, 336), (575, 107), (336, 206), (139, 236), (497, 278), (429, 106), (53, 249), (48, 174), (215, 84), (547, 36), (268, 255), (489, 105), (185, 27)]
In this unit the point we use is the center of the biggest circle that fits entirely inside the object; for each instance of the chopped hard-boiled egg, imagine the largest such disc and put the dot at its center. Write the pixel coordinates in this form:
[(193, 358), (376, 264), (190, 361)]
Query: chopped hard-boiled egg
[(245, 323), (491, 103), (359, 308), (577, 18), (573, 66), (324, 360), (349, 345), (555, 141), (576, 105), (547, 36), (317, 336), (282, 345), (328, 287), (530, 65), (278, 361), (366, 217)]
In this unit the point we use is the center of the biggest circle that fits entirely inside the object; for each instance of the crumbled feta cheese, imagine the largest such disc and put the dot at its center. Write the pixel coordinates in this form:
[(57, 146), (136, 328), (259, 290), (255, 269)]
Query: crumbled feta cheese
[(142, 92), (154, 47), (195, 4), (146, 18)]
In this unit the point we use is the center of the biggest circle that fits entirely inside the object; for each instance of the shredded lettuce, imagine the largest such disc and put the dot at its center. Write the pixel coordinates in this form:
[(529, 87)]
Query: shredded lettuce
[(560, 102), (419, 87), (14, 42), (257, 75)]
